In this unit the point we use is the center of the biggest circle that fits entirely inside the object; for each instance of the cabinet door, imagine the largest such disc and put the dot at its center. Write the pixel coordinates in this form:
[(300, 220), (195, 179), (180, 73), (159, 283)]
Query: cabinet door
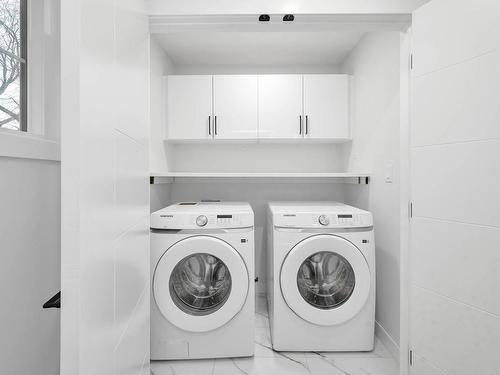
[(235, 107), (189, 107), (280, 106), (326, 106)]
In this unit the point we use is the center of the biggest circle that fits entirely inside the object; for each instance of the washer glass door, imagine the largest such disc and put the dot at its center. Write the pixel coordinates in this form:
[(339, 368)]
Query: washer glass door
[(200, 283), (325, 279)]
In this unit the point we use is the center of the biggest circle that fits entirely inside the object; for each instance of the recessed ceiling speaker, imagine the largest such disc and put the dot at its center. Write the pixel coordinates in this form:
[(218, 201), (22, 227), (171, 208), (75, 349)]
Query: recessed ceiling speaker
[(264, 18), (288, 18)]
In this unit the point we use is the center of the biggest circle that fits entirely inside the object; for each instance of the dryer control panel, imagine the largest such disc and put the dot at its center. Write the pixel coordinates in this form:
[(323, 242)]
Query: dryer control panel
[(319, 216), (323, 220)]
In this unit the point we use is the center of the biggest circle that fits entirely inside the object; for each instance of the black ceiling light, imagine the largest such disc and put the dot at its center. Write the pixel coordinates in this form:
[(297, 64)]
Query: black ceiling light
[(288, 18), (264, 18)]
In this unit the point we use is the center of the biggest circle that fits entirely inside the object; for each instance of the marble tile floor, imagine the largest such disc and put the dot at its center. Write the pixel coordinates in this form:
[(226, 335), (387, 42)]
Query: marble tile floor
[(267, 361)]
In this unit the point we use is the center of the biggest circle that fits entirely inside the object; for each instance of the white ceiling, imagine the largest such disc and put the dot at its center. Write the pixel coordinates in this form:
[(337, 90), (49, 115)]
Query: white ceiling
[(259, 48)]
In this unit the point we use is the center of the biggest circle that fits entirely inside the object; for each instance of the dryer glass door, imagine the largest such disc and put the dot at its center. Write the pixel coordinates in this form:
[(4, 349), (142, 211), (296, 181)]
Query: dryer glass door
[(200, 283), (325, 279)]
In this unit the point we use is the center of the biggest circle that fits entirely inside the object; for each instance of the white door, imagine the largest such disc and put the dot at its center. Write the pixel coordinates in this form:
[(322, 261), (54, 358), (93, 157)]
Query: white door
[(200, 283), (235, 106), (455, 159), (326, 106), (325, 280), (189, 107), (280, 106), (105, 190)]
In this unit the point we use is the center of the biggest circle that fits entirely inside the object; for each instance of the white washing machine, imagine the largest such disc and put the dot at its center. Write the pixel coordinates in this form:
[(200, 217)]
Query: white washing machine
[(321, 277), (202, 281)]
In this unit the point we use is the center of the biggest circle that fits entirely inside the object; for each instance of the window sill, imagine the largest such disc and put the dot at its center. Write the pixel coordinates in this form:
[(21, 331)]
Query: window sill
[(16, 144)]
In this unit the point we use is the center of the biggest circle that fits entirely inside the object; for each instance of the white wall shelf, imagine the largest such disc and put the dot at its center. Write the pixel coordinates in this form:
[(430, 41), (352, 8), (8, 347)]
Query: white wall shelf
[(327, 177)]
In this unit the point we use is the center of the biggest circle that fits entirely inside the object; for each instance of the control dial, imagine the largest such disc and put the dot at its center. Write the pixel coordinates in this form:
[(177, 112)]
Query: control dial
[(201, 220), (324, 220)]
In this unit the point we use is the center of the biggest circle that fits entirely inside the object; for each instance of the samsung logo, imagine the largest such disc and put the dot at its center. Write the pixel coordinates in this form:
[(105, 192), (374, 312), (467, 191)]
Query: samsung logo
[(289, 215), (166, 215)]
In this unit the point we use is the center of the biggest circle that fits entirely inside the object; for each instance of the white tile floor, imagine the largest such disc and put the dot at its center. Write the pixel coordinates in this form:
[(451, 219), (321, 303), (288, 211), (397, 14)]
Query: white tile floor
[(266, 361)]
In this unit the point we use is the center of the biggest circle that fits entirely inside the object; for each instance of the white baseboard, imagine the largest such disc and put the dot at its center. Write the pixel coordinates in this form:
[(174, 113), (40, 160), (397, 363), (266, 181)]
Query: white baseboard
[(387, 340)]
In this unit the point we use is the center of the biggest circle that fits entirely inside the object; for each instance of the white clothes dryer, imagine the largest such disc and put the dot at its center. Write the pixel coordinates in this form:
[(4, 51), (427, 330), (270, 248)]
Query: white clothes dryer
[(202, 281), (321, 277)]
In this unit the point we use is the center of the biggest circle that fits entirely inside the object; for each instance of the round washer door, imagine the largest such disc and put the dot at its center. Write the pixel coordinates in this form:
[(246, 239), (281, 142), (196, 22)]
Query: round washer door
[(325, 280), (200, 283)]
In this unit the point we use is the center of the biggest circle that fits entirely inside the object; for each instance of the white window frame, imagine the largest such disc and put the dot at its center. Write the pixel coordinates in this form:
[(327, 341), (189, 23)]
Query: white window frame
[(41, 140)]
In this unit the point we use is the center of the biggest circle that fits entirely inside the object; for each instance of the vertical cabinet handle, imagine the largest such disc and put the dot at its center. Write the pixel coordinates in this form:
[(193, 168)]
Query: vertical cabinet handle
[(209, 125), (307, 124), (300, 124), (215, 125)]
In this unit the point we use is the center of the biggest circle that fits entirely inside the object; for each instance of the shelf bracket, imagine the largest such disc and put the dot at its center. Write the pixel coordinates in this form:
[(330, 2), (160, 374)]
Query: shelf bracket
[(155, 180)]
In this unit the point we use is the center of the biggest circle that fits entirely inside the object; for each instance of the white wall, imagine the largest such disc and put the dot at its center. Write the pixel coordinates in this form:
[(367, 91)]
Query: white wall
[(375, 111), (104, 187), (29, 265), (221, 7), (455, 158), (160, 65), (254, 157), (160, 154)]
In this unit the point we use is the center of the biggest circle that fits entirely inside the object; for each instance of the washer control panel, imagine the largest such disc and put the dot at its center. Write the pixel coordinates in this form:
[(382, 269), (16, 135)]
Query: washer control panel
[(201, 220), (347, 219), (338, 220), (203, 216), (323, 220), (225, 220)]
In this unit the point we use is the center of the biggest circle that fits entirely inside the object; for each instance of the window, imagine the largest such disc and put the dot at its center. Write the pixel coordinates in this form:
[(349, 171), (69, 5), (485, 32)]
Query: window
[(13, 68)]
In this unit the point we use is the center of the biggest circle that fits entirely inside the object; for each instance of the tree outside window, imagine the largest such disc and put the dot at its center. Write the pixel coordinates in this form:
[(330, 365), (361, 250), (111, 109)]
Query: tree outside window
[(13, 53)]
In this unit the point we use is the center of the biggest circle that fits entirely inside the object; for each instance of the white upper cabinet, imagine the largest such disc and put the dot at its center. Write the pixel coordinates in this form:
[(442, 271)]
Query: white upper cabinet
[(280, 106), (235, 107), (326, 106), (189, 107)]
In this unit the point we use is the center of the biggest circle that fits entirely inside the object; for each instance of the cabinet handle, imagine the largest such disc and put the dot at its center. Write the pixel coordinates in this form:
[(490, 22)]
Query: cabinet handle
[(307, 124), (215, 125), (300, 124), (209, 125)]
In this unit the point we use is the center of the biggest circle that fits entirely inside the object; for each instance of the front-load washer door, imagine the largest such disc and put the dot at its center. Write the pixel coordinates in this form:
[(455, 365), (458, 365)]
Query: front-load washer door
[(325, 280), (200, 283)]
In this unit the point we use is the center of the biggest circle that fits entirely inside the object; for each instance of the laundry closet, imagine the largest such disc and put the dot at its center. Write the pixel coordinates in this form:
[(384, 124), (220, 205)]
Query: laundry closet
[(309, 110)]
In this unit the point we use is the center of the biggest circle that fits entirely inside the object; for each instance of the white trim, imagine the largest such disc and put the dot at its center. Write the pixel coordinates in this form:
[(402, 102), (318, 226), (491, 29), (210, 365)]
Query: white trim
[(387, 340), (41, 140), (168, 23), (405, 197), (17, 144)]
